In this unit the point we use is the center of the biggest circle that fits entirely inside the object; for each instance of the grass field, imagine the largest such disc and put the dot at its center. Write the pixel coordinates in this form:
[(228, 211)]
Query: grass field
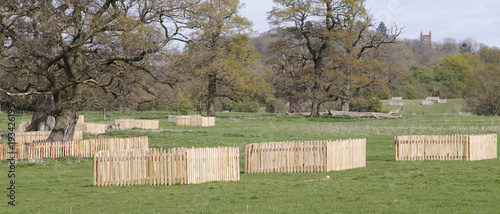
[(64, 185), (413, 106)]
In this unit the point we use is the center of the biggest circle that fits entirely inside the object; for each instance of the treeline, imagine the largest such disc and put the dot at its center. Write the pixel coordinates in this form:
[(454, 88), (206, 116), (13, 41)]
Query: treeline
[(269, 73), (448, 70)]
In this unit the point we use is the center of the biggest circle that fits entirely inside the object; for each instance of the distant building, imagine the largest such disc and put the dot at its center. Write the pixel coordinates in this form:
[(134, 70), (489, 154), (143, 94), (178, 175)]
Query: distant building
[(426, 39)]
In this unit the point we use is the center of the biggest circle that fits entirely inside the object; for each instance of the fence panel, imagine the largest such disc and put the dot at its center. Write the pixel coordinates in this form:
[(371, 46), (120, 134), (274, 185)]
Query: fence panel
[(166, 167), (24, 137), (95, 128), (483, 147), (445, 147), (194, 121), (125, 167), (78, 148), (305, 156), (212, 164), (136, 123)]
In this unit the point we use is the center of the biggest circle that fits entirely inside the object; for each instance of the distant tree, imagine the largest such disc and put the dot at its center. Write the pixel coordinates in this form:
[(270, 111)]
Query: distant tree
[(458, 66), (398, 58), (482, 94), (490, 56), (468, 46), (291, 69), (221, 54), (426, 55), (449, 46), (382, 29), (185, 103)]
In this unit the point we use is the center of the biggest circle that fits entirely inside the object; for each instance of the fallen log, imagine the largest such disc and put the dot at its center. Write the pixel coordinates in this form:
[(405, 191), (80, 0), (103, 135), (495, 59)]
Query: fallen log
[(376, 115)]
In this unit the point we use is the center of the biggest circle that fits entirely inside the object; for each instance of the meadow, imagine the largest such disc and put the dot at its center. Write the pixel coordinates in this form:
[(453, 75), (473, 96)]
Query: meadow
[(64, 185), (414, 107)]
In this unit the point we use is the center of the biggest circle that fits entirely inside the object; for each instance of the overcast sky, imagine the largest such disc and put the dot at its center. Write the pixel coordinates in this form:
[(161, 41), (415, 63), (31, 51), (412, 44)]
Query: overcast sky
[(457, 19)]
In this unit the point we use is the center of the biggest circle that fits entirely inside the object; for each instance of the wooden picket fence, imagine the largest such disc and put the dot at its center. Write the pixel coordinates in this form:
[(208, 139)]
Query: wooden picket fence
[(135, 123), (78, 148), (24, 137), (166, 167), (445, 147), (94, 128), (305, 156), (81, 119), (194, 121)]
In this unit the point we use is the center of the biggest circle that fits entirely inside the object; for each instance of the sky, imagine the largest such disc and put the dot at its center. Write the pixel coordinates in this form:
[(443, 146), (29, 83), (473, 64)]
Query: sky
[(457, 19)]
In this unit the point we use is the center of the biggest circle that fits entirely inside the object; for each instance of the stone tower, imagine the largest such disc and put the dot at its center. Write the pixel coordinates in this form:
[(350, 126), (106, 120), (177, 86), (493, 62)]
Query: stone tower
[(426, 39)]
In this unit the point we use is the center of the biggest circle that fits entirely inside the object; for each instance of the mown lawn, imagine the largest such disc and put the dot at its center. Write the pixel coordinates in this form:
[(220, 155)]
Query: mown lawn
[(64, 185)]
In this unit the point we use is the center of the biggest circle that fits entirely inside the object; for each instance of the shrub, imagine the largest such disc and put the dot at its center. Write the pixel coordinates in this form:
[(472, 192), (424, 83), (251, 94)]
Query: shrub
[(245, 107)]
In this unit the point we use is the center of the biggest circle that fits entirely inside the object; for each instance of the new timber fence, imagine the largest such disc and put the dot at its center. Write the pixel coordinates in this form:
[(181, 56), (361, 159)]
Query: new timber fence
[(194, 121), (305, 156), (135, 123), (24, 137), (166, 167), (78, 148), (445, 147), (94, 128)]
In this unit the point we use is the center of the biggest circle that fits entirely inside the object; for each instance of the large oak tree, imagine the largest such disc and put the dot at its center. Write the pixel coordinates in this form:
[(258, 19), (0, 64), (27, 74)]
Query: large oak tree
[(336, 35), (59, 49)]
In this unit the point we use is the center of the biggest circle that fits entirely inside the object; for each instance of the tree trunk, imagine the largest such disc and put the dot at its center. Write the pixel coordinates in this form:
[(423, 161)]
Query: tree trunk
[(315, 109), (344, 105), (345, 100), (212, 89), (294, 106), (64, 128), (104, 113), (200, 107), (41, 120), (67, 115)]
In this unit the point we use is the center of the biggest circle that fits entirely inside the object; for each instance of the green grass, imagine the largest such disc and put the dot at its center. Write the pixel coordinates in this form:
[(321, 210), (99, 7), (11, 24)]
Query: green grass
[(384, 186), (413, 106)]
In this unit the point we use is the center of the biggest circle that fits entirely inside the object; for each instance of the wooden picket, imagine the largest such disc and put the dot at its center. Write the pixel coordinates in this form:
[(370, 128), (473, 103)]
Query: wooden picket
[(305, 156), (445, 147), (134, 123), (94, 128), (166, 167), (24, 137), (194, 121), (78, 148)]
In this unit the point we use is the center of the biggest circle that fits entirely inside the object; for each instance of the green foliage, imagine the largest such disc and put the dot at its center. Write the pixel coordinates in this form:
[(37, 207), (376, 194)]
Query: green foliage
[(185, 103), (371, 104), (425, 82), (375, 105), (222, 55), (454, 73), (244, 107), (482, 94), (320, 61), (185, 108)]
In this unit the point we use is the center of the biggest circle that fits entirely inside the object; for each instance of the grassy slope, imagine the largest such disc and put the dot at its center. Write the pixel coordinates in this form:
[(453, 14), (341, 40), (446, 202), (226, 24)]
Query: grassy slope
[(413, 106), (384, 186)]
